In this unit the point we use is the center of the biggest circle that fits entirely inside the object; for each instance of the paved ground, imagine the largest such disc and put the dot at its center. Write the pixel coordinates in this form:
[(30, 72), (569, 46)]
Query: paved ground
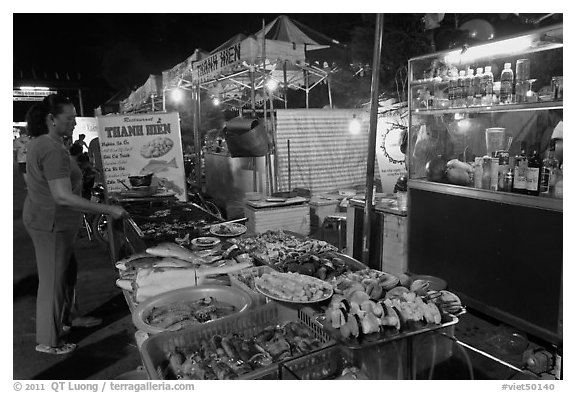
[(104, 352)]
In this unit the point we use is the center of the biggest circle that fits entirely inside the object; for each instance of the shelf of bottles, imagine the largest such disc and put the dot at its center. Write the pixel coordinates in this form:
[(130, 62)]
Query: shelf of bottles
[(465, 139)]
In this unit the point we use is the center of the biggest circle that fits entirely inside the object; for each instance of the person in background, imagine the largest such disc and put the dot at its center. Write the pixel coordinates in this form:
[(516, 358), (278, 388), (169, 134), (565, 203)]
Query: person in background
[(80, 141), (88, 173), (96, 159), (52, 216), (20, 149)]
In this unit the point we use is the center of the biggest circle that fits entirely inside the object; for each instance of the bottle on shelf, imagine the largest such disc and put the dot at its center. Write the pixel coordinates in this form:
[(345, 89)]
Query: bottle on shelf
[(477, 83), (559, 186), (533, 171), (469, 86), (522, 83), (460, 89), (488, 86), (548, 172), (520, 169), (452, 87), (506, 84), (503, 168)]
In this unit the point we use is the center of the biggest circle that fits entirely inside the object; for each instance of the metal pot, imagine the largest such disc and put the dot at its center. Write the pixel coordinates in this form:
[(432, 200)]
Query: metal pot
[(141, 180)]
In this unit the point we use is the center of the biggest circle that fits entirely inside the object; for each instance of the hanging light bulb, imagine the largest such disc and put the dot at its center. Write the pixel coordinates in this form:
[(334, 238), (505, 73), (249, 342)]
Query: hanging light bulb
[(271, 84), (216, 101), (355, 125), (177, 95)]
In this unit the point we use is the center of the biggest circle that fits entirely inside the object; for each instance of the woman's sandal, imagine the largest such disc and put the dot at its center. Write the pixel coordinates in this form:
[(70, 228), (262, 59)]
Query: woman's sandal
[(61, 350)]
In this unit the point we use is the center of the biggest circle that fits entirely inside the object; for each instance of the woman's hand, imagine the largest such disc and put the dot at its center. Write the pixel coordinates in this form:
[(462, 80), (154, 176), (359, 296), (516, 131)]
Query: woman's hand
[(117, 212)]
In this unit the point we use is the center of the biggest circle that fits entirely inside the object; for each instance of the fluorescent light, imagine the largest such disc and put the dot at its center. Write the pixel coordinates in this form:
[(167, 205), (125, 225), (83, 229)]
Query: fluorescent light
[(498, 48), (26, 88), (34, 88)]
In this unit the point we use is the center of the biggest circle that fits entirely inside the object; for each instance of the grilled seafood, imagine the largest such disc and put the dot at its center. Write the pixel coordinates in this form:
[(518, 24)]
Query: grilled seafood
[(230, 356)]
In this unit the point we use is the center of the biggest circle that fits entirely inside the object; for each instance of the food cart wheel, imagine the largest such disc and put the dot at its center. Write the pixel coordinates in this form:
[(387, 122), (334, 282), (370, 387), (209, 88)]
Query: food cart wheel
[(100, 230)]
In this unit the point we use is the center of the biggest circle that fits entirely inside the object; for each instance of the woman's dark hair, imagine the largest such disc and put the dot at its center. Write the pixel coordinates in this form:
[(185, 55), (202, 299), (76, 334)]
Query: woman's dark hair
[(75, 149), (36, 115)]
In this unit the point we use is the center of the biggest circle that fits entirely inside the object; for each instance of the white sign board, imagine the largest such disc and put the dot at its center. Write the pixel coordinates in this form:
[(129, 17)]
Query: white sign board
[(87, 126), (391, 161), (140, 144)]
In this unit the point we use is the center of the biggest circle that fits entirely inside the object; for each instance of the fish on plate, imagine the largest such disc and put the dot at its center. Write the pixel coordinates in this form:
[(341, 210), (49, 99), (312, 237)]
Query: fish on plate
[(173, 250), (155, 166)]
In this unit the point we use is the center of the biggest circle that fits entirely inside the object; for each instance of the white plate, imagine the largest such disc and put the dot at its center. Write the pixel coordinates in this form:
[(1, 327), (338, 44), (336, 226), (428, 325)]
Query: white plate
[(274, 297), (205, 241), (235, 228)]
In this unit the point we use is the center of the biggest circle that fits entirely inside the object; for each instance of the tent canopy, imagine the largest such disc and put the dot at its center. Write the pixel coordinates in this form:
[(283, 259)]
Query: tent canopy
[(288, 30)]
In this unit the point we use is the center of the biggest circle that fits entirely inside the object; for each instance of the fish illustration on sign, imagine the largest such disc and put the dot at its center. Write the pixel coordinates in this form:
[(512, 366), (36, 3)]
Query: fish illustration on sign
[(169, 185), (155, 166)]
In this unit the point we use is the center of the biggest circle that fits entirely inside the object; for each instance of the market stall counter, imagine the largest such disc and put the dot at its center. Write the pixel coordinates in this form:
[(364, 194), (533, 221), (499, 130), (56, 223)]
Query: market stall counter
[(302, 298)]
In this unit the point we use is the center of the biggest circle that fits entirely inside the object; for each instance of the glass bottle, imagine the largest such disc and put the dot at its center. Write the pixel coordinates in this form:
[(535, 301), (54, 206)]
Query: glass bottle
[(478, 87), (548, 172), (520, 169), (506, 84), (559, 186), (533, 171)]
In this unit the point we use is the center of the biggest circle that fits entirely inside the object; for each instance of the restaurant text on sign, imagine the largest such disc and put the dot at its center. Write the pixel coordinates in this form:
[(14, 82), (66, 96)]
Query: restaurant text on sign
[(219, 60), (128, 131)]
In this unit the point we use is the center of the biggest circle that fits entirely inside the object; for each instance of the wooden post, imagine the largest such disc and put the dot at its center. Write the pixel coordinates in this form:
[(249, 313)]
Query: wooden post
[(368, 208)]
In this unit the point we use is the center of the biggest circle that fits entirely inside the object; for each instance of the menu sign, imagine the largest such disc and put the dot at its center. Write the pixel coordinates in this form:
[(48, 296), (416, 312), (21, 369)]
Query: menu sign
[(141, 144)]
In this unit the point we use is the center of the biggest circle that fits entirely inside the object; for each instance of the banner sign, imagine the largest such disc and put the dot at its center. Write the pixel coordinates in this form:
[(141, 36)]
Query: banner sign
[(213, 65), (141, 144), (391, 161)]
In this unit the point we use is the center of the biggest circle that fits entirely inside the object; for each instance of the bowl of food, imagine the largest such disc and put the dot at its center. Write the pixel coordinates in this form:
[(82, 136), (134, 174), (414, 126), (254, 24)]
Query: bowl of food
[(186, 307), (140, 180)]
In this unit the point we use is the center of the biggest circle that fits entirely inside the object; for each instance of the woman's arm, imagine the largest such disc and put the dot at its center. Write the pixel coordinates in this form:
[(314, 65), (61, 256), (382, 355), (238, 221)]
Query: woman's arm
[(61, 190)]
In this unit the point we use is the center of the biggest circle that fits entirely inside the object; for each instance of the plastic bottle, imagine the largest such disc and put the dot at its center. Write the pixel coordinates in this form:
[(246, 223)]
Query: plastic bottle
[(469, 86), (452, 87), (478, 87), (506, 84), (460, 89), (488, 85)]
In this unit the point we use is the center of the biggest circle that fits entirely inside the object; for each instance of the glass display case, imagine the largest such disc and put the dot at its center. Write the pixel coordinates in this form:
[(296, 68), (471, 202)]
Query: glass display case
[(483, 120), (486, 177)]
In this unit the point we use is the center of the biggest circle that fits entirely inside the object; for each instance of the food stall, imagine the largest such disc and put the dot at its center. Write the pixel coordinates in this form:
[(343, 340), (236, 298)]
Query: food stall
[(300, 302), (483, 174)]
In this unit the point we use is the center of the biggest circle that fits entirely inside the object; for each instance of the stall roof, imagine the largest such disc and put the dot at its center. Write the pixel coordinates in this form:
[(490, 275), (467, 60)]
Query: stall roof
[(286, 29)]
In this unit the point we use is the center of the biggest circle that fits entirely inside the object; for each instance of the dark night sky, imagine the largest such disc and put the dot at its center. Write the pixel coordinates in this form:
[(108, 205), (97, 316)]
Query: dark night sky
[(133, 46)]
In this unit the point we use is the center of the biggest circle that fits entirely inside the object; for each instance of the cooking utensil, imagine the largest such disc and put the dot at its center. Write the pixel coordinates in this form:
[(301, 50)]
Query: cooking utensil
[(140, 180), (134, 226), (226, 222), (124, 184)]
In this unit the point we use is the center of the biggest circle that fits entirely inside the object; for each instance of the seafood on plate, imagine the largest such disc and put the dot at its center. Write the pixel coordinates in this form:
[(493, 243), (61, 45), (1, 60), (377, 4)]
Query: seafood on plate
[(293, 287)]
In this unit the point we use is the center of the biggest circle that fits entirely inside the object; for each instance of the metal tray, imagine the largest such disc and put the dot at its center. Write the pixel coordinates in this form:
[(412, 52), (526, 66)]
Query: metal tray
[(388, 335)]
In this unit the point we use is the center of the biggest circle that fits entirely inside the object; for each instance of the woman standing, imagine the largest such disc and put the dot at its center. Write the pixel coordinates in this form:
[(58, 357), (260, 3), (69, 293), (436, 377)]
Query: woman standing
[(52, 216)]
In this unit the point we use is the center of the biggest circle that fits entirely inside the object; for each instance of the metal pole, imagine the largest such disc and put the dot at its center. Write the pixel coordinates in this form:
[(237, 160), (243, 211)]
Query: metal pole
[(368, 208), (274, 141), (197, 139), (252, 91), (329, 91), (81, 102), (307, 82), (289, 167), (285, 85), (164, 100), (153, 103)]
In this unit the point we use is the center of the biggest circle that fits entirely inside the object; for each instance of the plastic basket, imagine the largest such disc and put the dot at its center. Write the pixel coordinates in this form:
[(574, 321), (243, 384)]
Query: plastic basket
[(249, 324), (327, 363), (257, 298)]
